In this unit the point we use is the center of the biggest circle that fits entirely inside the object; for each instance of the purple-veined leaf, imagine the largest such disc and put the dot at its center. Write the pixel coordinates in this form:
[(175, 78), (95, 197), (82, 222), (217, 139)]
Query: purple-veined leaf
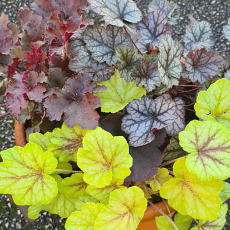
[(146, 160), (163, 4), (146, 115), (142, 45), (179, 123), (199, 32), (145, 75), (96, 75), (102, 42), (226, 30), (193, 46), (117, 12), (76, 102), (153, 27), (129, 57), (169, 65), (202, 66)]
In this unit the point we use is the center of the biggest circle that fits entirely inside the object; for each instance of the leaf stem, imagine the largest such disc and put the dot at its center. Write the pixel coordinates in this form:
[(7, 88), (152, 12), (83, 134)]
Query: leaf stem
[(6, 114), (196, 221), (190, 104), (162, 213), (190, 110), (2, 105), (189, 90), (223, 51), (167, 207), (171, 172), (169, 162), (189, 86), (64, 170), (133, 41)]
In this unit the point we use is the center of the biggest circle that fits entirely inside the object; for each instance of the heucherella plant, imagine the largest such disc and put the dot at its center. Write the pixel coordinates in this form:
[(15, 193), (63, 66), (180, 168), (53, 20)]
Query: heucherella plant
[(119, 114)]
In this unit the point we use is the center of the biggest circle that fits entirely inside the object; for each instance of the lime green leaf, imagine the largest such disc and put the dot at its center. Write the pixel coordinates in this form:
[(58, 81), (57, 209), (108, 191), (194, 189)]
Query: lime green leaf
[(73, 186), (118, 94), (103, 158), (65, 142), (209, 146), (190, 196), (125, 210), (159, 179), (41, 140), (182, 222), (214, 104), (62, 204), (63, 165), (84, 199), (217, 224), (102, 194), (163, 223), (85, 219), (24, 174), (225, 193)]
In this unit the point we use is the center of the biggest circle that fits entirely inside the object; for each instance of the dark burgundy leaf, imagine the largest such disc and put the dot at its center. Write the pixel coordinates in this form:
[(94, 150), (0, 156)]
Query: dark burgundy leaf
[(6, 41), (56, 78), (76, 102), (202, 65), (146, 160)]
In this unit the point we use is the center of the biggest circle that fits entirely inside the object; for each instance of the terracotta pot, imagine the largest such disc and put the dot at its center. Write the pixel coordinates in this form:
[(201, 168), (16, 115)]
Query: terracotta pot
[(147, 223)]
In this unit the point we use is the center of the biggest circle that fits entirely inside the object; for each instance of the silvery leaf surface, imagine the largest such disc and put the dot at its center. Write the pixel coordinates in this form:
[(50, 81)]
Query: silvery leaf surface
[(193, 46), (226, 30), (152, 28), (163, 4), (144, 116), (142, 45), (174, 17), (179, 123), (129, 58), (117, 12), (146, 75), (169, 65), (227, 75), (97, 75), (202, 66), (199, 32), (102, 42)]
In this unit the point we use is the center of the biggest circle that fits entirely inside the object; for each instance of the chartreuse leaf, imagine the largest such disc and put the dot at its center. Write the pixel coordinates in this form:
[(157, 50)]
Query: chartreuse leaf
[(209, 146), (217, 224), (24, 174), (62, 204), (73, 186), (190, 196), (182, 222), (118, 94), (102, 194), (41, 140), (84, 199), (159, 179), (103, 158), (65, 142), (84, 219), (225, 193), (214, 104), (125, 210)]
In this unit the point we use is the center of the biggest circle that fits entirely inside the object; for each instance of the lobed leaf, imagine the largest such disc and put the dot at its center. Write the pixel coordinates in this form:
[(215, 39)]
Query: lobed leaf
[(159, 179), (146, 115), (213, 104), (118, 13), (209, 154), (169, 65), (102, 42), (103, 158), (102, 194), (125, 210), (65, 142), (193, 46), (225, 192), (202, 66), (146, 160), (217, 224), (153, 27), (190, 196), (145, 75), (86, 198), (24, 173), (39, 139), (118, 94)]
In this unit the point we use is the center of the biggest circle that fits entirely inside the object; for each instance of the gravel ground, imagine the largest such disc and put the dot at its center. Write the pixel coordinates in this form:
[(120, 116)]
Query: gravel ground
[(215, 12)]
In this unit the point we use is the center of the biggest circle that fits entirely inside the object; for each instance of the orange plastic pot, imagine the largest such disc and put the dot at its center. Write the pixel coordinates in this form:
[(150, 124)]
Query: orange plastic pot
[(147, 223)]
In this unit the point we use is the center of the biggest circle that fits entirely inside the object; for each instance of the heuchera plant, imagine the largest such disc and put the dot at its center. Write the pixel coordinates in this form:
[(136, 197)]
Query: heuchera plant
[(110, 98)]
